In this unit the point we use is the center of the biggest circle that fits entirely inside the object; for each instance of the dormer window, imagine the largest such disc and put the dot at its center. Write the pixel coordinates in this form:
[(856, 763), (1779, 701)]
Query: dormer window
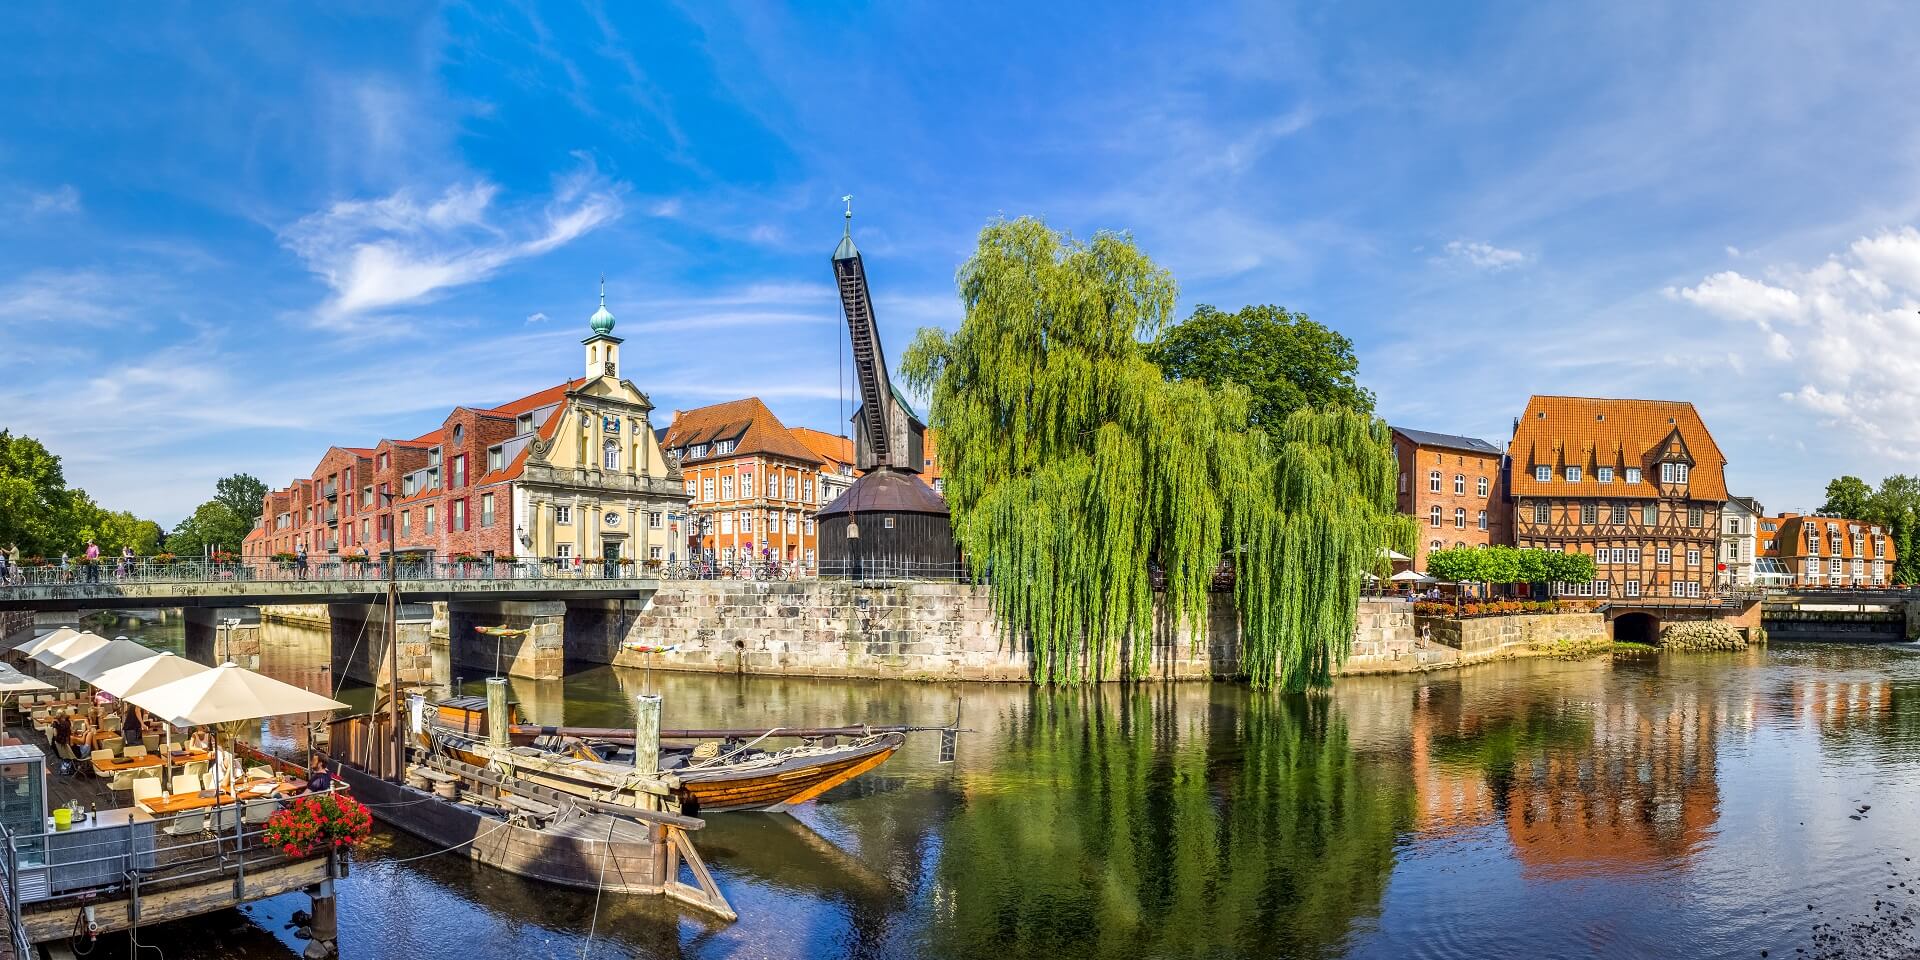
[(524, 424), (1573, 474), (1633, 474), (1603, 474), (1543, 474)]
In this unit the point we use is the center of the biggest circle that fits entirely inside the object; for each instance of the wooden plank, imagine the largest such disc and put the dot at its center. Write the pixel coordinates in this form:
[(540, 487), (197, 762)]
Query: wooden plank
[(55, 922)]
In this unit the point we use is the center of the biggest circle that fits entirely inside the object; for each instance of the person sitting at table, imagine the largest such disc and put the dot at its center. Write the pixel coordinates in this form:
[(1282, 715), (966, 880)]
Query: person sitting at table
[(63, 733), (320, 781)]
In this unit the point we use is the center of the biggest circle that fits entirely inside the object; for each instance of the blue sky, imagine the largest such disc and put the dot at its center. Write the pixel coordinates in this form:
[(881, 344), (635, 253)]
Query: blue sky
[(233, 240)]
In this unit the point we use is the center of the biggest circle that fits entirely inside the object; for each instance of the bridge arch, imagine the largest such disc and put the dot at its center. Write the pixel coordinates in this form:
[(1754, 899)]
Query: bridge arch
[(1636, 627)]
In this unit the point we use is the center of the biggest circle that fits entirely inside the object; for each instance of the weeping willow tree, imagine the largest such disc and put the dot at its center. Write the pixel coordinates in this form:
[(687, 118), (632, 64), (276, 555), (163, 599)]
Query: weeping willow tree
[(1074, 470)]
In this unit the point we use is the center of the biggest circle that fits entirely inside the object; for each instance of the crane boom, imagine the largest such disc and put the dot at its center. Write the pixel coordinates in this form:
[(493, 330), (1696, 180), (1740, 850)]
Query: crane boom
[(869, 361)]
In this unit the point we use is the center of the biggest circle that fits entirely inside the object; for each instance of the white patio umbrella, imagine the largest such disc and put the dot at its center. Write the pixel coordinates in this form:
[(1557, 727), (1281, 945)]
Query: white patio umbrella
[(13, 681), (1409, 576), (70, 649), (226, 696), (130, 678), (1394, 555), (117, 653), (37, 644)]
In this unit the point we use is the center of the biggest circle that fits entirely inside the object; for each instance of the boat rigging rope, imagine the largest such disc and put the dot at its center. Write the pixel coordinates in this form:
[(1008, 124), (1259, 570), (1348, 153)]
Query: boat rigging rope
[(497, 825), (593, 925)]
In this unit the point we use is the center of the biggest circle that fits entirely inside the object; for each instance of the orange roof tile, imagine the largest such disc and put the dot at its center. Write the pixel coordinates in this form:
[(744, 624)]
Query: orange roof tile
[(534, 401), (748, 421), (825, 445), (1588, 432)]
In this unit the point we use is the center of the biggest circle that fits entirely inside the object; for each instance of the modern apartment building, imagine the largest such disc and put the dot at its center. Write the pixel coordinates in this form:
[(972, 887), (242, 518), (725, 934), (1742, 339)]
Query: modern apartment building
[(1639, 485), (1826, 551), (1454, 487), (571, 472), (754, 486)]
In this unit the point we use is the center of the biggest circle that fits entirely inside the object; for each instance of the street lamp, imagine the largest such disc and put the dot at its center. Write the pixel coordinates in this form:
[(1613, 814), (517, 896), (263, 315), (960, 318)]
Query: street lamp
[(226, 625)]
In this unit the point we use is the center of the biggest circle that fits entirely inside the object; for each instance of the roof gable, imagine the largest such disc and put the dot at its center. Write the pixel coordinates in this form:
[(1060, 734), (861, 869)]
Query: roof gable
[(748, 422), (1589, 432)]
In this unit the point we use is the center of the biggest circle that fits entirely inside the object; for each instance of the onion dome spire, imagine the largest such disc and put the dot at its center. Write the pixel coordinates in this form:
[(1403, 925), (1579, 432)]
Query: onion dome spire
[(602, 319)]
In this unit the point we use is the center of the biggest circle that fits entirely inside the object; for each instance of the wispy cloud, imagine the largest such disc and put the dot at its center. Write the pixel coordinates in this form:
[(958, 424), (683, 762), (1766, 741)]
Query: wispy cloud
[(400, 249), (537, 318), (1484, 256), (62, 199)]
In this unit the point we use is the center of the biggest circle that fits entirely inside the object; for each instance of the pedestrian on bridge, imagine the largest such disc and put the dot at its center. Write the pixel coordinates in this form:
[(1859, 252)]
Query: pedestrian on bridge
[(126, 561), (300, 561), (93, 562)]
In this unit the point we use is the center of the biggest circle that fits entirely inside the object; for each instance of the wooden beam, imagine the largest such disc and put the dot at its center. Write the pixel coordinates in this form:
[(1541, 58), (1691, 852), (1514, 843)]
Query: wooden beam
[(51, 922)]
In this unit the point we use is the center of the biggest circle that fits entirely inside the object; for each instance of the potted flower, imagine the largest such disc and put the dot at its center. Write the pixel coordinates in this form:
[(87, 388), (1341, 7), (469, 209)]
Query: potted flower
[(316, 824), (224, 556), (162, 559)]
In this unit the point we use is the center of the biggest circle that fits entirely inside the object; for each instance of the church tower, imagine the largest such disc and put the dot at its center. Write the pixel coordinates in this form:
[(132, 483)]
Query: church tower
[(603, 348)]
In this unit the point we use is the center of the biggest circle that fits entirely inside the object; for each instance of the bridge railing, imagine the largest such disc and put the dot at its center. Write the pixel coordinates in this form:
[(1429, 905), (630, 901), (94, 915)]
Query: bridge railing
[(370, 571)]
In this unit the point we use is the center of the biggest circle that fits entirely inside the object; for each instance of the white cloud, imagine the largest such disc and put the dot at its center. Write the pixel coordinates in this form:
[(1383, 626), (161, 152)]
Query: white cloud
[(63, 297), (537, 318), (399, 249), (62, 199), (1485, 256), (1849, 325)]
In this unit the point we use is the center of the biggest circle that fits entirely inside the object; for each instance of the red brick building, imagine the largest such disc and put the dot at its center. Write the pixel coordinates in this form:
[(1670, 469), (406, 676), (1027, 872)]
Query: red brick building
[(1454, 487), (754, 485), (1826, 551), (570, 472)]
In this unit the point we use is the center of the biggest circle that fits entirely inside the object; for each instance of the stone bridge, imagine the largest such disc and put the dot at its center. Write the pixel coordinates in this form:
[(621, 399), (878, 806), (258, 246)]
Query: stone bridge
[(552, 602), (1844, 616)]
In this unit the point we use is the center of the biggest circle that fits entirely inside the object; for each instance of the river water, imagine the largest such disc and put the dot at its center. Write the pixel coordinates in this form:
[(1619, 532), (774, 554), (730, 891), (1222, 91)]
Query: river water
[(1687, 805)]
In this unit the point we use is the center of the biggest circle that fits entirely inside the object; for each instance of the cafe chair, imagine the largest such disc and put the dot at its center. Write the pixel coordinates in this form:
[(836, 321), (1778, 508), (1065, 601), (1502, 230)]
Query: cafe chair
[(188, 824), (135, 752), (121, 781), (185, 783), (260, 773), (110, 722), (198, 768), (104, 752), (225, 818), (260, 811), (64, 752), (151, 741), (146, 788), (108, 744)]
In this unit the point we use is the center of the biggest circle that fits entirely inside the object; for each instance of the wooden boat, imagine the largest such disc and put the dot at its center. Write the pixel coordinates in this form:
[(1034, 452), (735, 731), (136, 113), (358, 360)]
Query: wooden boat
[(706, 771), (523, 828)]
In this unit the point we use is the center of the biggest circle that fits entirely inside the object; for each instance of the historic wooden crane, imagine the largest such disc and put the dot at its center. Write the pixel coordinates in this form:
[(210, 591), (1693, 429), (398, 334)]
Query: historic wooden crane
[(890, 523)]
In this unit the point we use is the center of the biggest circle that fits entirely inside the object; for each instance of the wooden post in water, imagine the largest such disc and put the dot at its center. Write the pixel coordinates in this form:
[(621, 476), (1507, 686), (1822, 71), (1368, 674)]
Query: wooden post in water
[(497, 713), (323, 925), (646, 734)]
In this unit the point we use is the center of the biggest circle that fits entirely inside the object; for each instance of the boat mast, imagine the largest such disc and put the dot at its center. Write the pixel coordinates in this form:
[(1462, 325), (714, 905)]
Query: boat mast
[(398, 755)]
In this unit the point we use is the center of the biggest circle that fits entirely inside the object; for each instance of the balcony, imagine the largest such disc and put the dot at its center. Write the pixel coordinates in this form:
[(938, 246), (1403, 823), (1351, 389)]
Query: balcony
[(332, 490)]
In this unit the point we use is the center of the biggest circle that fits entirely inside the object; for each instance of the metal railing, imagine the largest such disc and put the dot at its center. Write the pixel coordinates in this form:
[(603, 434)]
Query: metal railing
[(327, 570), (894, 568)]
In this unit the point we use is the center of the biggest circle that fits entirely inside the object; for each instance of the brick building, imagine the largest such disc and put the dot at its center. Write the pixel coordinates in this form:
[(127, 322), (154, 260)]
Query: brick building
[(570, 472), (754, 486), (1639, 485), (1827, 551), (836, 462), (1454, 487)]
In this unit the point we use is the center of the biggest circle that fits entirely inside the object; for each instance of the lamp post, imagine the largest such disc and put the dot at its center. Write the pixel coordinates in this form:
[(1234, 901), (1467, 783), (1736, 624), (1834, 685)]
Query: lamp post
[(226, 632)]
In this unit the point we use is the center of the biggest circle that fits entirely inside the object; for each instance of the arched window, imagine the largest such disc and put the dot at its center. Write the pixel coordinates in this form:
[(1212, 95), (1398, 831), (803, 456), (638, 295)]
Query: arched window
[(1459, 518), (1433, 516), (1433, 482), (612, 455), (1459, 483)]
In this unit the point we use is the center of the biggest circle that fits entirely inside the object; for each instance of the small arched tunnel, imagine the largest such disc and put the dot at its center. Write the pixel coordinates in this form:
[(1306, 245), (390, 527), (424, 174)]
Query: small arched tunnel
[(1636, 628)]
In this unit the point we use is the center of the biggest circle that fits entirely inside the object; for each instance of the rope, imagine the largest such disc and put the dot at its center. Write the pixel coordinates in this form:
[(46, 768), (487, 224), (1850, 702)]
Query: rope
[(356, 649), (599, 888), (456, 846)]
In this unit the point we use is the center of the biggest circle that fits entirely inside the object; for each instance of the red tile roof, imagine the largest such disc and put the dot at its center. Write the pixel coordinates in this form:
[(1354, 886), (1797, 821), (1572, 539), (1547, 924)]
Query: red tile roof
[(747, 421), (825, 445), (1588, 432)]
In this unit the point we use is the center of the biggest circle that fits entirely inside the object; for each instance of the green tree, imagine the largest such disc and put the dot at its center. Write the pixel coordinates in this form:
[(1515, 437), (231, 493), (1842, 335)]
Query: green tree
[(34, 502), (212, 524), (1509, 565), (1895, 504), (1074, 469), (1285, 360), (242, 493), (1848, 497)]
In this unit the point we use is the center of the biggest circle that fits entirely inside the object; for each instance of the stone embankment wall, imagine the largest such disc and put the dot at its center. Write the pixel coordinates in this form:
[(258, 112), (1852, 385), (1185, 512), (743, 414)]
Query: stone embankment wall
[(923, 631), (15, 621), (1385, 641), (1488, 638)]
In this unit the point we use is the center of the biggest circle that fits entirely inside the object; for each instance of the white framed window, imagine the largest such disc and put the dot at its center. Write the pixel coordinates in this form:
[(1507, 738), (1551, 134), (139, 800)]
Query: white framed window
[(1603, 474), (773, 485), (1480, 487), (1603, 588), (1833, 566), (610, 455), (793, 488), (1696, 516), (1434, 545), (1633, 474), (809, 529), (1693, 558), (726, 488), (1433, 482), (1859, 568), (1459, 518), (563, 551), (1633, 554), (1573, 474), (656, 519), (653, 553), (1483, 519), (1663, 555), (1459, 484), (562, 514), (1433, 517), (1632, 588), (1680, 476), (726, 522), (793, 524), (1666, 473), (746, 522), (1589, 513), (1693, 588), (1543, 474), (706, 488), (1542, 513), (1617, 513)]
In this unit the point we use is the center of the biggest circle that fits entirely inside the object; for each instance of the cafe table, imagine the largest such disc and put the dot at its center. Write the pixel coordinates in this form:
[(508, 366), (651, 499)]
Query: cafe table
[(108, 766), (254, 789)]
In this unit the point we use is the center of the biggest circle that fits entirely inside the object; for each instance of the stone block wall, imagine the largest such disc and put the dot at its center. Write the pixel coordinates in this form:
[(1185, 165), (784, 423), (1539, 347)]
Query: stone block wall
[(1484, 638), (1384, 641), (15, 621)]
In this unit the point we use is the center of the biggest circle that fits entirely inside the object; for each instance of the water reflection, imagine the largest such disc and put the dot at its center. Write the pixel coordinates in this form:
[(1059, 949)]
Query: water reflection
[(1643, 808)]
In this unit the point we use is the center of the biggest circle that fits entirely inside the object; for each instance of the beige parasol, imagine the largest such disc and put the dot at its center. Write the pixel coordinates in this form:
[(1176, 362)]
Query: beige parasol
[(226, 696), (128, 679), (37, 644), (70, 649), (117, 653)]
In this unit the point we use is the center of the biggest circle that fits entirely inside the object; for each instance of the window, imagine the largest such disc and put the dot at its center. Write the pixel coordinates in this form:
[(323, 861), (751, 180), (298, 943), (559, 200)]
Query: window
[(458, 476), (1480, 487), (653, 553), (723, 448), (383, 461), (366, 496), (1433, 482), (563, 551), (1435, 545), (1403, 481), (886, 522), (726, 522), (1633, 554), (1541, 512), (1693, 558), (773, 486), (656, 519), (746, 522), (1617, 513), (429, 519), (1650, 515), (1603, 474), (1603, 588), (366, 530), (1663, 556), (486, 509), (1693, 588), (809, 526), (806, 488), (793, 488), (1666, 473), (562, 514), (459, 519), (494, 456), (406, 523), (1459, 518), (1695, 516), (726, 488), (1459, 484), (610, 455), (1543, 474), (1573, 474), (1633, 474), (1859, 568), (1766, 545), (1483, 519), (706, 488), (1589, 513), (1680, 476), (1433, 517), (792, 522)]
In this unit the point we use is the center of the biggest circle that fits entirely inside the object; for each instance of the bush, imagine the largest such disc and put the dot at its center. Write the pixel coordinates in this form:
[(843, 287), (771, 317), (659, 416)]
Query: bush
[(1702, 635)]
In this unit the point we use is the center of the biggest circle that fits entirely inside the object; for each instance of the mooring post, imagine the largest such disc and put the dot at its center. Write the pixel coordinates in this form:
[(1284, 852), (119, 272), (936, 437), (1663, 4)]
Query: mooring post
[(646, 734), (323, 928), (497, 713)]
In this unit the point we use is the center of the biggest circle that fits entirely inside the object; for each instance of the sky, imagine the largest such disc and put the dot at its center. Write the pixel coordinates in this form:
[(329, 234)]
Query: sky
[(233, 240)]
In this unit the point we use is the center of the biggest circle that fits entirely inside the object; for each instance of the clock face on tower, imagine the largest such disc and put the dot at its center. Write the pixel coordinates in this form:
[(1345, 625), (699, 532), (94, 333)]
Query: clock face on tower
[(613, 519)]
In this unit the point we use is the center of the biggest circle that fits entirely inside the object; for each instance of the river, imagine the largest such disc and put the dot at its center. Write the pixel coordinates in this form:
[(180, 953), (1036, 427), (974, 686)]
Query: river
[(1696, 805)]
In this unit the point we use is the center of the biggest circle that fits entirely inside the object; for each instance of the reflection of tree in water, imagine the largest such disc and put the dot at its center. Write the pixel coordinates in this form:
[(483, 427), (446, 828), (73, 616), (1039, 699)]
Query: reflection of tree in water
[(1153, 821), (1491, 743)]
